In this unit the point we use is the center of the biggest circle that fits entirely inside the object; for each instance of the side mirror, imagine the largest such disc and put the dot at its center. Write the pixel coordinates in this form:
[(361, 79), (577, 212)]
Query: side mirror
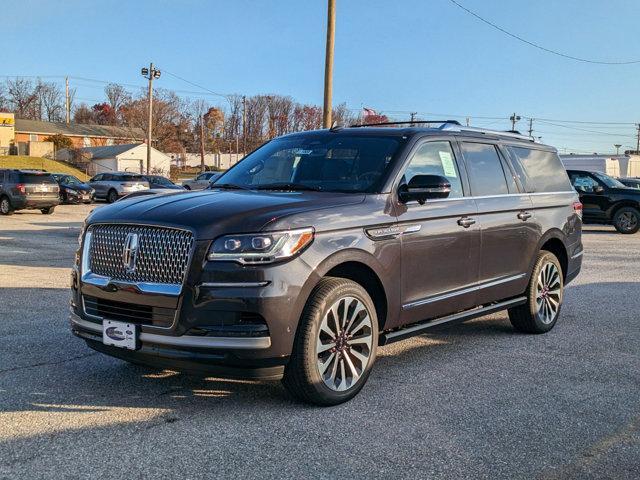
[(423, 187), (599, 189)]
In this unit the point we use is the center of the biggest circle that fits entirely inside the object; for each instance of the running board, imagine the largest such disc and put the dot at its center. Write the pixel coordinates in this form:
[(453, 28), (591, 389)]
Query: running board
[(417, 328)]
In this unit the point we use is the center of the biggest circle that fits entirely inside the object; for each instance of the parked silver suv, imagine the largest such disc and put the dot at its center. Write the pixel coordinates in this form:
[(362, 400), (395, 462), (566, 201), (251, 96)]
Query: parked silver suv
[(112, 186), (202, 181)]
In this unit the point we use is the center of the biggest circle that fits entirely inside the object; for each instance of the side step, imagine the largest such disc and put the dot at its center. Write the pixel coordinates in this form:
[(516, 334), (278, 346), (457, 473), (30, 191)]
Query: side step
[(417, 328)]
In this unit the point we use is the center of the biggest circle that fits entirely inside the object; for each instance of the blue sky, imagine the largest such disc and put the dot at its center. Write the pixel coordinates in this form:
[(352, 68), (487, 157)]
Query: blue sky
[(395, 56)]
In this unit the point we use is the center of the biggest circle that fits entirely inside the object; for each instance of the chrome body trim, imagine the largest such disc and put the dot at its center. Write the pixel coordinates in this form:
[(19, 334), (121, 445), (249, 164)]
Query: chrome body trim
[(579, 254), (234, 284), (231, 343), (472, 288)]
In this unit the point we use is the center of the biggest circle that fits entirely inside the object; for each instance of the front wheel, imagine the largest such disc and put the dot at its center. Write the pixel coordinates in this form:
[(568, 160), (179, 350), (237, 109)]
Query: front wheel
[(335, 346), (544, 297), (112, 196), (5, 206), (48, 210), (627, 220)]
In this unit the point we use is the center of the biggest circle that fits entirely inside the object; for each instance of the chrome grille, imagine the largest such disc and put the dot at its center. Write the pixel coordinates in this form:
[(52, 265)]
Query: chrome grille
[(162, 255)]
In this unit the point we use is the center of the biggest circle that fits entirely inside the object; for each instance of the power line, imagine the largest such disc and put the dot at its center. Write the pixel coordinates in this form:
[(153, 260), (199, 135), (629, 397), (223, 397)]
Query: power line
[(540, 47), (584, 129), (195, 84)]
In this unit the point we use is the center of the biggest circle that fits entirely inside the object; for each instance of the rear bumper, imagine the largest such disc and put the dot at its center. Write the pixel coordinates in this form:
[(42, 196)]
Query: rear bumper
[(21, 203), (574, 264)]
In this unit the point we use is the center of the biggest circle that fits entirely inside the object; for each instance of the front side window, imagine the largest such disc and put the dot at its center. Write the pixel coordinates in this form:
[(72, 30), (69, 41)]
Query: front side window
[(486, 174), (326, 161), (435, 158), (584, 183)]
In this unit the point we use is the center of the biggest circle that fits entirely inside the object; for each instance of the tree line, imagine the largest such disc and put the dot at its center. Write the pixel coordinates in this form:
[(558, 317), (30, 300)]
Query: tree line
[(178, 122)]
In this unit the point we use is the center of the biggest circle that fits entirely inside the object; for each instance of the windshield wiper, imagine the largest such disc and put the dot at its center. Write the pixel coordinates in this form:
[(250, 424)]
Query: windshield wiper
[(228, 186), (288, 186)]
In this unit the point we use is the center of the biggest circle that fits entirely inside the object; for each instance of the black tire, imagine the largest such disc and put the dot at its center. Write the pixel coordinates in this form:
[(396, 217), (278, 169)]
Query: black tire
[(542, 309), (5, 206), (302, 377), (63, 198), (112, 196), (187, 187), (627, 220), (48, 210)]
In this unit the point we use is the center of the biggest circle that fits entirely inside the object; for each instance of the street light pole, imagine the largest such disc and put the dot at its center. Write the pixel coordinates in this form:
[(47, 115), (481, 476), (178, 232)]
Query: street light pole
[(617, 145), (150, 73), (328, 64)]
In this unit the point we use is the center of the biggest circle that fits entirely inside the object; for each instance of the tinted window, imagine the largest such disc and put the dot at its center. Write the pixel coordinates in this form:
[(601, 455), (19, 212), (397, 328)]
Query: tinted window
[(485, 169), (130, 178), (35, 178), (435, 158), (583, 182), (97, 178), (609, 181), (328, 161), (544, 170)]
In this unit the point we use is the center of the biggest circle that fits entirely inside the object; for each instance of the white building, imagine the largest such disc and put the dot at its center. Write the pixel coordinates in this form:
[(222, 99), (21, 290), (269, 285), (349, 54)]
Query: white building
[(221, 161), (614, 165), (130, 157)]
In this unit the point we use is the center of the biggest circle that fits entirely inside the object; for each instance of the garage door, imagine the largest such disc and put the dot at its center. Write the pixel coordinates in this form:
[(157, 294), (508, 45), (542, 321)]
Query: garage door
[(132, 165)]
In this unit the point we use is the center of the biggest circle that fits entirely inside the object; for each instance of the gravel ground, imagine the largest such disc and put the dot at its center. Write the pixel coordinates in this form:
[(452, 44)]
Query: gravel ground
[(474, 401)]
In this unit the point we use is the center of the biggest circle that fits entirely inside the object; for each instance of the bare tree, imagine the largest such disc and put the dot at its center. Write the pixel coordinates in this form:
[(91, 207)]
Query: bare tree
[(50, 99), (117, 96), (23, 98)]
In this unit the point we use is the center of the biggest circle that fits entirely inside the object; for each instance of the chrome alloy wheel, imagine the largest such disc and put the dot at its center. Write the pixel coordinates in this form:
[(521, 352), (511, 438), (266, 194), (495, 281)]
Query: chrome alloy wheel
[(344, 344), (548, 292), (5, 206)]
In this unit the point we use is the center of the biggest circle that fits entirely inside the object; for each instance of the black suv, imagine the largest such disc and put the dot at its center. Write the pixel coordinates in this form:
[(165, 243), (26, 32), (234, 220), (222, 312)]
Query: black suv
[(320, 246), (27, 189), (607, 200)]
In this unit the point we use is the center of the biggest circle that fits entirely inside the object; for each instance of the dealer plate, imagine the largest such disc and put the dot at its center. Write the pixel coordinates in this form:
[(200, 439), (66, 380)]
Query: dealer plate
[(120, 334)]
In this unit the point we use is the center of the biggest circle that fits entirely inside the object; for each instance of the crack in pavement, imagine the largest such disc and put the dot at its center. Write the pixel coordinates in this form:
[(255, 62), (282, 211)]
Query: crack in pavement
[(44, 364)]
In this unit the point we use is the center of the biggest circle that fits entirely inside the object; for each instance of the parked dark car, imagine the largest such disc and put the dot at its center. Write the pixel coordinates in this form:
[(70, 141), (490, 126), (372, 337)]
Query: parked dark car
[(159, 182), (114, 185), (322, 245), (632, 182), (73, 190), (27, 190), (607, 200)]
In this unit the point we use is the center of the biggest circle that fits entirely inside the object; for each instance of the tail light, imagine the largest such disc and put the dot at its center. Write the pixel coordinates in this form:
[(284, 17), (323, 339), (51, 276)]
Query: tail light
[(577, 207), (21, 188)]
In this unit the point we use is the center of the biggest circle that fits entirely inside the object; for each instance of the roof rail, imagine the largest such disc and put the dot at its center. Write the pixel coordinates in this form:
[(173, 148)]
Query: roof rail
[(508, 133), (408, 122)]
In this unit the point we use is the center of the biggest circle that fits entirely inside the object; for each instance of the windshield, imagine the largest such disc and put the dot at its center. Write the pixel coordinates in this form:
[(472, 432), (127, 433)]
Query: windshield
[(324, 162), (161, 180), (70, 180), (609, 181)]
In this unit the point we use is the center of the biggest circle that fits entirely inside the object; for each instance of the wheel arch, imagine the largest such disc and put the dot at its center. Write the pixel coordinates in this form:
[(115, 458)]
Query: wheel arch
[(553, 241), (621, 204)]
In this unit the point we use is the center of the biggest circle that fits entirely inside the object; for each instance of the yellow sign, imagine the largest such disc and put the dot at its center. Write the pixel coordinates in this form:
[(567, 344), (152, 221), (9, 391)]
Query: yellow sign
[(6, 121)]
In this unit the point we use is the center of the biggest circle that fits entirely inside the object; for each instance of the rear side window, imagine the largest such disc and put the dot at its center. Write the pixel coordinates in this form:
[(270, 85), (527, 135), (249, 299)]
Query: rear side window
[(35, 178), (131, 178), (486, 174), (543, 171)]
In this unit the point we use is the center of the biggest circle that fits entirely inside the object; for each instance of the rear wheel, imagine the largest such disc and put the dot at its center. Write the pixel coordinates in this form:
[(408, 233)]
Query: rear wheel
[(544, 297), (627, 220), (335, 346), (112, 196), (48, 210), (5, 206)]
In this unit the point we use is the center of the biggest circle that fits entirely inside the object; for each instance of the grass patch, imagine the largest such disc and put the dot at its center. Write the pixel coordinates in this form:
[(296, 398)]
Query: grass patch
[(37, 163)]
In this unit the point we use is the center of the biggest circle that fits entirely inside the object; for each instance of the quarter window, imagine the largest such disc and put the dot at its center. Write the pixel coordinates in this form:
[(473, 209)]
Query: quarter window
[(486, 174), (435, 158), (543, 170)]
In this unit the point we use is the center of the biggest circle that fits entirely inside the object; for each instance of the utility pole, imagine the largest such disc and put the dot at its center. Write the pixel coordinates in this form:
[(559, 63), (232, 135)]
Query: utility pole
[(638, 143), (202, 143), (468, 120), (244, 125), (328, 64), (514, 118), (150, 73), (531, 127), (67, 102), (413, 117)]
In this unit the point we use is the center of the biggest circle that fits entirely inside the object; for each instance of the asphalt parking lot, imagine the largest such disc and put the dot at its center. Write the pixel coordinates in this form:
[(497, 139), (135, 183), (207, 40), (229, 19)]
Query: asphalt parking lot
[(474, 401)]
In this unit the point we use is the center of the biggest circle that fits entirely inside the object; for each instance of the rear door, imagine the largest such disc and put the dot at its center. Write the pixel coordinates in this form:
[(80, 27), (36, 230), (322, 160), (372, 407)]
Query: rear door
[(440, 252), (507, 235)]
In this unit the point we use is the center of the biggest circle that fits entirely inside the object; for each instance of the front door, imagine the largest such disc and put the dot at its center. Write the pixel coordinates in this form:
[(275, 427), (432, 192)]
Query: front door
[(594, 203), (440, 241)]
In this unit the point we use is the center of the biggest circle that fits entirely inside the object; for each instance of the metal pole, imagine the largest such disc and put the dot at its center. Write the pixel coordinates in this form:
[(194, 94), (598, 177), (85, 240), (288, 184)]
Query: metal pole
[(244, 125), (638, 144), (530, 127), (67, 103), (150, 96), (328, 64)]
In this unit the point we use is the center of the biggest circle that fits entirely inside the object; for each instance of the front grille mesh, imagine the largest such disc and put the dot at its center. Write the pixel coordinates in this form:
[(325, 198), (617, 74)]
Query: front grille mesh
[(162, 257)]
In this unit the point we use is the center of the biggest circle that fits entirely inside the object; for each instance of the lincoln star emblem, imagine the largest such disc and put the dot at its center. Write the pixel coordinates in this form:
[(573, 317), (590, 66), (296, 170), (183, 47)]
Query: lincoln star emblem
[(130, 252)]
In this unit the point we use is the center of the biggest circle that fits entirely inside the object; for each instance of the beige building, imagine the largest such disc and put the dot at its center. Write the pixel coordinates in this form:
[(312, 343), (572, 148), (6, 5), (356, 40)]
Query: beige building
[(7, 129)]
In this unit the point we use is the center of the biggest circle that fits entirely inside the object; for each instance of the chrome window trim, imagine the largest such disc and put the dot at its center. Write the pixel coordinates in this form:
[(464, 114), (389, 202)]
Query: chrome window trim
[(502, 195), (472, 288), (233, 343)]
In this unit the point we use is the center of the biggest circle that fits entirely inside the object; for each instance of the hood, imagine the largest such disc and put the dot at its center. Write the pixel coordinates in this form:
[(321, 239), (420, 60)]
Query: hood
[(625, 191), (81, 187), (210, 213)]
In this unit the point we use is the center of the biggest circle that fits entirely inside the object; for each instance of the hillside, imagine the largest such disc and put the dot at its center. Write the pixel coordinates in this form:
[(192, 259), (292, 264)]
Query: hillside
[(19, 161)]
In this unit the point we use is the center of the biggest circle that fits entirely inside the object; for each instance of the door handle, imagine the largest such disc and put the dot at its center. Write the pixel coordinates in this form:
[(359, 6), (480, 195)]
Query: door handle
[(466, 222), (524, 216)]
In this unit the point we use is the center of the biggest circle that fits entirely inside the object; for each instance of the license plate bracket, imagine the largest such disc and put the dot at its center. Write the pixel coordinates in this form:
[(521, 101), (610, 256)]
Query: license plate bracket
[(120, 334)]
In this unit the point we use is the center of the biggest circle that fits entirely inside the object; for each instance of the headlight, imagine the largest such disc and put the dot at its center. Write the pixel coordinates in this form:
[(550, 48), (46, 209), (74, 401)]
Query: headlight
[(72, 191), (255, 248)]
